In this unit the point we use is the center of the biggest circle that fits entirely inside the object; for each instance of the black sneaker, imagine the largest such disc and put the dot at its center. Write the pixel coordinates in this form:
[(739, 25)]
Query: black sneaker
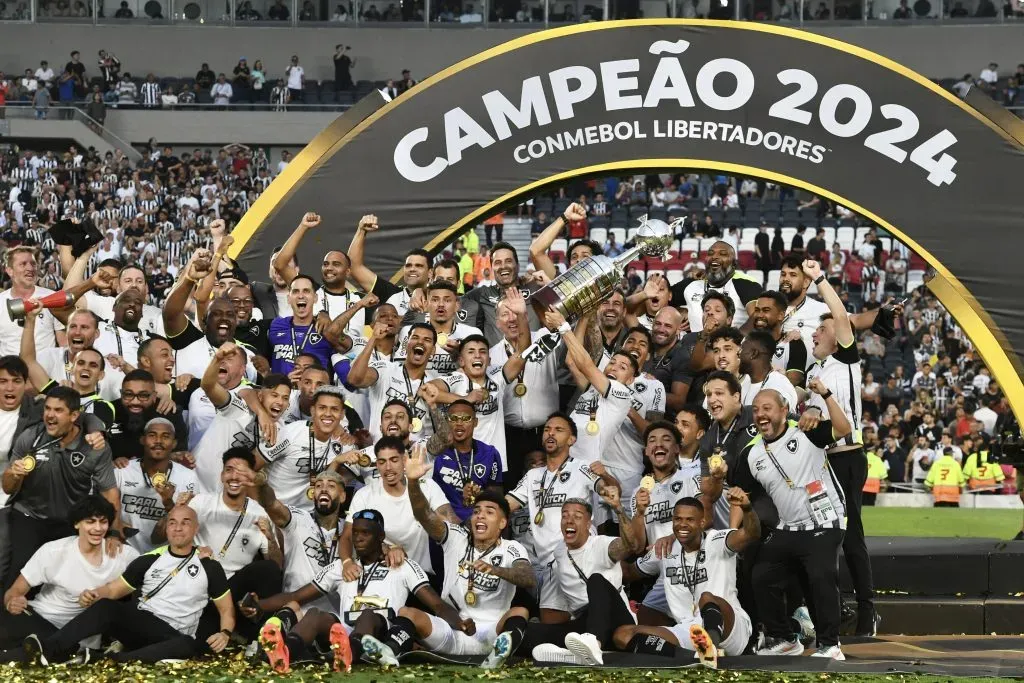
[(867, 623), (34, 653)]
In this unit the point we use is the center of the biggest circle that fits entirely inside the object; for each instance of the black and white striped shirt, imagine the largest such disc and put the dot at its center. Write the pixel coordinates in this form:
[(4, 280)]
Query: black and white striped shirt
[(128, 211), (25, 178), (149, 205), (151, 94), (841, 373)]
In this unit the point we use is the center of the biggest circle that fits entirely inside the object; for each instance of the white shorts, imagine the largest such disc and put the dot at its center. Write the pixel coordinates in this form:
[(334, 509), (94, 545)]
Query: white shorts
[(445, 640), (734, 644)]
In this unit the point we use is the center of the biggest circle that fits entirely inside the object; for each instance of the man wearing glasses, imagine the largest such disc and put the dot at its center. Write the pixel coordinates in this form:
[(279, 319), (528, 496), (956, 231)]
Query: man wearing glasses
[(469, 466), (133, 411)]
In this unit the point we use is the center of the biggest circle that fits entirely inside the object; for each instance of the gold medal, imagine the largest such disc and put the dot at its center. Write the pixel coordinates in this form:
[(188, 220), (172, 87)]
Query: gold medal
[(519, 390), (260, 479), (364, 460), (159, 479), (715, 462), (538, 519), (442, 339), (470, 597), (417, 425), (309, 493), (647, 483), (486, 394), (28, 463), (593, 428), (367, 330)]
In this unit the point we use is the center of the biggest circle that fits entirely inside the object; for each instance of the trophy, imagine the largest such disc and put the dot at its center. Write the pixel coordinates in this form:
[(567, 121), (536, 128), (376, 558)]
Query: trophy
[(580, 289)]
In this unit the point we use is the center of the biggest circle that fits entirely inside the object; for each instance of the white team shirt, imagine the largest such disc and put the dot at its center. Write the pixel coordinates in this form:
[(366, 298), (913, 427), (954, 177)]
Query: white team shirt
[(393, 585), (217, 522), (841, 373), (543, 489), (773, 380), (195, 358), (712, 569), (152, 321), (590, 559), (141, 505), (336, 304), (308, 549), (201, 411), (626, 451), (289, 464), (394, 382), (806, 317), (10, 331), (739, 288), (120, 342), (57, 363), (494, 595), (490, 412), (540, 376), (442, 362), (609, 412), (684, 483), (400, 526), (63, 573), (228, 428)]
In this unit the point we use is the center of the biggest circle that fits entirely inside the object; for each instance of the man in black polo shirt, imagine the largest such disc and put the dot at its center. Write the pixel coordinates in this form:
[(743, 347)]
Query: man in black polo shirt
[(136, 407), (54, 465), (174, 584), (669, 360)]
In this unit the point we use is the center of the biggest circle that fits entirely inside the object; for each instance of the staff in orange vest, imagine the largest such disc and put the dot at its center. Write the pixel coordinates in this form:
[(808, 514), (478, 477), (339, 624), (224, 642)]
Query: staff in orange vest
[(877, 480), (946, 480), (982, 473)]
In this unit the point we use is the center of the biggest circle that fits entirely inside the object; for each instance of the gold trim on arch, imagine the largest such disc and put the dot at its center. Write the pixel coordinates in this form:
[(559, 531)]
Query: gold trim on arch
[(979, 326)]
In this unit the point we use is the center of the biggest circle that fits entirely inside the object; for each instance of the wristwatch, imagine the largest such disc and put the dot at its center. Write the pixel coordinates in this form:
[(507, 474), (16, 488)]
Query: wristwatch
[(826, 395), (818, 280)]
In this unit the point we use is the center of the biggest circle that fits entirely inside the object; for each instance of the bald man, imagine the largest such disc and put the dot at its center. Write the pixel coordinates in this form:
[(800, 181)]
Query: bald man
[(722, 276), (669, 359)]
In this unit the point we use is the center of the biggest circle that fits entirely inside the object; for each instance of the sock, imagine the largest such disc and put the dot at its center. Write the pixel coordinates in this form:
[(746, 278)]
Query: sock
[(401, 636), (651, 645), (296, 648), (288, 618), (356, 643), (517, 627), (714, 622)]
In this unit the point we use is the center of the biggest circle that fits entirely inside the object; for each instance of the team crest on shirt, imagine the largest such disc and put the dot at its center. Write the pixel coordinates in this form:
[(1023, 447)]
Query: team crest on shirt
[(193, 570), (462, 315), (751, 431), (77, 458), (676, 486), (791, 446), (496, 561), (245, 541), (779, 351), (480, 470), (315, 338), (639, 387), (563, 477), (336, 447), (255, 329), (696, 296)]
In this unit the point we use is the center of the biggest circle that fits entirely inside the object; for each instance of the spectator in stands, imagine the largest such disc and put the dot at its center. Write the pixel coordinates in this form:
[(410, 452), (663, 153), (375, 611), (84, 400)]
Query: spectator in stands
[(816, 246), (150, 93), (611, 247), (124, 12), (97, 111), (205, 77), (221, 92), (76, 67), (958, 11), (40, 101), (241, 76), (308, 12), (44, 74), (407, 81), (27, 86), (66, 93), (110, 68), (126, 91), (295, 76), (340, 14), (990, 74), (902, 12), (279, 11), (343, 64)]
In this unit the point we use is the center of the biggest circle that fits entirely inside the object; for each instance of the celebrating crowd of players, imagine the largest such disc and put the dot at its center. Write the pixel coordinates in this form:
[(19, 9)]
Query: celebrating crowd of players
[(338, 467)]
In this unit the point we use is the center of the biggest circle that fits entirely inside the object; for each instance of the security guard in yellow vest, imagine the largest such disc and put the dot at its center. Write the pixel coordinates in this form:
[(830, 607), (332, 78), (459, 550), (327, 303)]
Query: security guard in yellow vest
[(877, 480), (946, 480), (982, 473)]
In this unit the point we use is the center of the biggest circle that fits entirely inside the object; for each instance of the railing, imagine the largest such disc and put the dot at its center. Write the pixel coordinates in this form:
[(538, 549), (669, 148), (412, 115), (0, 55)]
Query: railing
[(24, 110), (490, 14)]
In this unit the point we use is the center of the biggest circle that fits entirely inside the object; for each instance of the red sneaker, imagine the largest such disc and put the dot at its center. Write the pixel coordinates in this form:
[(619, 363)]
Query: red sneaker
[(707, 653), (272, 642), (341, 648)]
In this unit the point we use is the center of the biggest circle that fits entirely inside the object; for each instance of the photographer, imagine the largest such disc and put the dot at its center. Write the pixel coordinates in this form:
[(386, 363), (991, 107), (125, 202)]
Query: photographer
[(342, 68)]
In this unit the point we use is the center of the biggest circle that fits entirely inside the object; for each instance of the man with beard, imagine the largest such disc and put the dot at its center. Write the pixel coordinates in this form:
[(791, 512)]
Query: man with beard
[(675, 474), (790, 356), (224, 373), (133, 277), (393, 379), (838, 367), (250, 332), (482, 572), (718, 314), (367, 601), (333, 296), (68, 462), (290, 336), (311, 540), (415, 272), (61, 570), (384, 348), (122, 336), (610, 314), (481, 303), (469, 466), (194, 348), (669, 361), (157, 358), (149, 485), (722, 276), (443, 308), (311, 377), (756, 353), (87, 368), (732, 426), (305, 449), (133, 411), (624, 459), (82, 331), (101, 300)]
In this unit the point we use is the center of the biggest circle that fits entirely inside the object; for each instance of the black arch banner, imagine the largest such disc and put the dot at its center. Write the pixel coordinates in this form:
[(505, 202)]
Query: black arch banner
[(742, 98)]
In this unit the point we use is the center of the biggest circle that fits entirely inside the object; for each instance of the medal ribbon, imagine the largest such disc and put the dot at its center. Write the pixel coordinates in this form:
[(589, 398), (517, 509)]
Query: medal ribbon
[(234, 530)]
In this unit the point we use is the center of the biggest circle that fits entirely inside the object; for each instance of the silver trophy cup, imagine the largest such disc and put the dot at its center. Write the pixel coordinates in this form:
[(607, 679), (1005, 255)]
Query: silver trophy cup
[(580, 289)]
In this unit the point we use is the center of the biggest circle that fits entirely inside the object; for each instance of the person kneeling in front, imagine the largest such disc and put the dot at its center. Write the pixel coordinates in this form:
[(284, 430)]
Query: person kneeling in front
[(174, 584), (698, 570)]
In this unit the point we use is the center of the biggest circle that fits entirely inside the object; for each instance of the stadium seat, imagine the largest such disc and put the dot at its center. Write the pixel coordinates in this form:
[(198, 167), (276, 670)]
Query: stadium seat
[(599, 235), (660, 214), (600, 223), (560, 245), (689, 245), (620, 234), (733, 217), (674, 276), (629, 234), (773, 280), (787, 237), (757, 275), (915, 278), (886, 244), (859, 234), (620, 216)]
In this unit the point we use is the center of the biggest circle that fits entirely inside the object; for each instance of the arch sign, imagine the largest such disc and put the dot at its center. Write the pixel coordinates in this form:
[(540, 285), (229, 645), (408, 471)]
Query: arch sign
[(612, 97)]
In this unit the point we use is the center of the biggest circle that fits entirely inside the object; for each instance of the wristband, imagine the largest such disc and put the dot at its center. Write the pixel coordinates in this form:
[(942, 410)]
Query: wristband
[(566, 219), (827, 395), (226, 631), (818, 280), (564, 328)]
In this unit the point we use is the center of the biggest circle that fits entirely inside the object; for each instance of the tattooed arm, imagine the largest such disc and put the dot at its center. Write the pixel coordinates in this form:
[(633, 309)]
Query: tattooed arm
[(415, 469), (519, 573)]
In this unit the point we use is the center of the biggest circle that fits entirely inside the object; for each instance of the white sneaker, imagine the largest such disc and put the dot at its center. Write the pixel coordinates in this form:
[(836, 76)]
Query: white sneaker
[(500, 651), (803, 617), (832, 652), (378, 653), (549, 653), (586, 647), (780, 647)]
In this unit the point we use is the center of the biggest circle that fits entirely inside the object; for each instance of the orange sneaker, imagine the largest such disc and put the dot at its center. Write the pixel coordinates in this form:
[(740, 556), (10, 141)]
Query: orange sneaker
[(707, 653), (341, 648), (272, 642)]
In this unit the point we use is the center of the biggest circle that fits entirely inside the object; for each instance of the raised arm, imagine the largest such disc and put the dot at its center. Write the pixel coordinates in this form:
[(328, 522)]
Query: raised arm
[(844, 329), (360, 374), (36, 374), (750, 526), (363, 276), (627, 544), (335, 332), (217, 394), (577, 352), (840, 423), (520, 573), (199, 266), (415, 468), (283, 261), (541, 244), (515, 302)]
